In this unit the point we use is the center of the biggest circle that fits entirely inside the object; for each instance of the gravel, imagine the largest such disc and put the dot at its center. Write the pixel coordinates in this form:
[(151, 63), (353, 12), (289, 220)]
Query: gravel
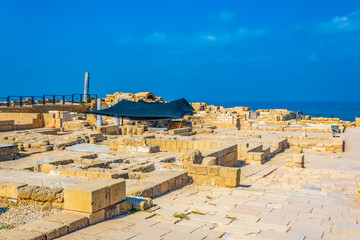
[(13, 214)]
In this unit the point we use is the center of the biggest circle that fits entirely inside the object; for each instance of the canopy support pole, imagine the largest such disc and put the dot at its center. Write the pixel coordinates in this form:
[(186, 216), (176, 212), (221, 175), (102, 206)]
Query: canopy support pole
[(99, 117), (117, 120), (122, 121)]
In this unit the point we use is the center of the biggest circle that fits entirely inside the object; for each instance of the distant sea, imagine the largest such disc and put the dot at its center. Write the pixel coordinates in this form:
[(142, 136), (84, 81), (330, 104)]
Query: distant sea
[(344, 110)]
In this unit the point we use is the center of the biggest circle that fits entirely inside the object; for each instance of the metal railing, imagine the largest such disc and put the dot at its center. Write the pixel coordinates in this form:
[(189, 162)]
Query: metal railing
[(11, 101)]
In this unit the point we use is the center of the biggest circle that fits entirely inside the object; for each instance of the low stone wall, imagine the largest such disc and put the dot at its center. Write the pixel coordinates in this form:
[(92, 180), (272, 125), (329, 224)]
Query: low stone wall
[(132, 143), (32, 194), (257, 153), (181, 146), (121, 130), (220, 120), (214, 175), (334, 145), (181, 131), (294, 160), (159, 184), (226, 155), (41, 196), (46, 108), (19, 121), (7, 125)]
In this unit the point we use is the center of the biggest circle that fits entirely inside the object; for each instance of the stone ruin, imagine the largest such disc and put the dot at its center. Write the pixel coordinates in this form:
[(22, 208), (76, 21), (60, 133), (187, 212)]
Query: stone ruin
[(101, 172)]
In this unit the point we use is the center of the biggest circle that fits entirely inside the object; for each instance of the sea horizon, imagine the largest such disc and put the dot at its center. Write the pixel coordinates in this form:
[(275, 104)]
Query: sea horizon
[(345, 110)]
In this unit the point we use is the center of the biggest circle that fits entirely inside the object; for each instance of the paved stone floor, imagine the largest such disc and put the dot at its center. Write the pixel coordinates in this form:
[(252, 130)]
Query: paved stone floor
[(215, 212), (272, 202)]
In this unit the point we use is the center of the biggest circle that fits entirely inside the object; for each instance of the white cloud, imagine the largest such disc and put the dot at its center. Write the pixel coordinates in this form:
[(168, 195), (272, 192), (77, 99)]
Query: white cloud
[(349, 23), (225, 16)]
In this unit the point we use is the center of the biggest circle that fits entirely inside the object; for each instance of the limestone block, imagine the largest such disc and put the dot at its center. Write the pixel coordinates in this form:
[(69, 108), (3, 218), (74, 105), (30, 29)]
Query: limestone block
[(140, 203), (164, 187), (96, 217), (156, 189), (297, 150), (73, 220), (26, 192), (203, 179), (209, 161), (228, 182), (80, 173), (71, 173), (44, 142), (197, 169), (214, 171), (192, 156), (109, 175), (228, 172), (92, 175), (93, 140), (46, 168), (10, 189), (87, 197), (298, 158), (123, 207), (117, 189), (46, 147), (50, 229)]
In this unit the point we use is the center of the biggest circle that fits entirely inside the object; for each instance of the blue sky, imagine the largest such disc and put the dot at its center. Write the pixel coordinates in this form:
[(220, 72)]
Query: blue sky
[(200, 50)]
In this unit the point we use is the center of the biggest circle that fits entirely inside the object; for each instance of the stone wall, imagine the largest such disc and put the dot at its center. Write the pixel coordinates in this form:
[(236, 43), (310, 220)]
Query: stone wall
[(320, 144), (178, 146), (181, 131), (46, 108), (32, 194), (121, 130), (21, 120), (226, 154), (41, 196), (214, 175), (220, 120)]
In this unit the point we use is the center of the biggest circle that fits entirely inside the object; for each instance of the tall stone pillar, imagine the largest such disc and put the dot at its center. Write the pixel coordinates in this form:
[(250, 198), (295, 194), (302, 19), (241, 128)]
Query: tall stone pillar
[(99, 117), (86, 87)]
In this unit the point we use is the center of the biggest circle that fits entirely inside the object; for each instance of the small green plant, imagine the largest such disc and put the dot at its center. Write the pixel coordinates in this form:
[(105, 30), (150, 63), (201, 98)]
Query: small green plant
[(82, 103), (232, 218), (16, 143), (181, 216), (197, 212), (6, 226), (208, 197), (133, 210)]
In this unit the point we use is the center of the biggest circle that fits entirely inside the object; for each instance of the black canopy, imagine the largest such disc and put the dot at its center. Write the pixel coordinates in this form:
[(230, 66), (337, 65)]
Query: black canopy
[(142, 110)]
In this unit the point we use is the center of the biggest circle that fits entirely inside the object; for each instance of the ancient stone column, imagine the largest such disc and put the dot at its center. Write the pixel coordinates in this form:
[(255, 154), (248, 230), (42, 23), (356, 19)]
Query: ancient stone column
[(86, 87), (99, 117)]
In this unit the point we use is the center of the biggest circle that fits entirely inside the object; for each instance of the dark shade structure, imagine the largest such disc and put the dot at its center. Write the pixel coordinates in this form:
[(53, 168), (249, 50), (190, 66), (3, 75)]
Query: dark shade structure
[(147, 111)]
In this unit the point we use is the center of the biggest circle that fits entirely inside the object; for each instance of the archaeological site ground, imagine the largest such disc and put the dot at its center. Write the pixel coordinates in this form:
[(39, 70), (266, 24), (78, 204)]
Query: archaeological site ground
[(221, 173)]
